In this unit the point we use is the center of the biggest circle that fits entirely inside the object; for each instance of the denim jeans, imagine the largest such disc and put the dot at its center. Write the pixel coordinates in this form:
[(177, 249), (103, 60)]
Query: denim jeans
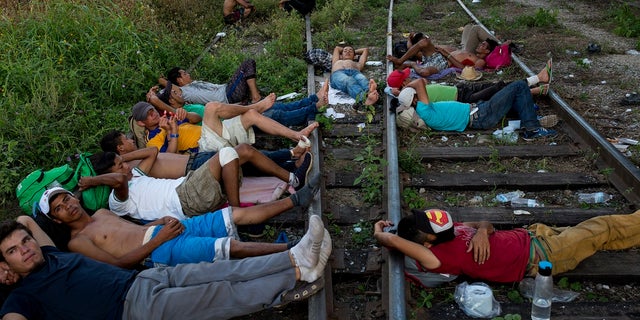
[(567, 247), (352, 82), (515, 96), (295, 113), (281, 157)]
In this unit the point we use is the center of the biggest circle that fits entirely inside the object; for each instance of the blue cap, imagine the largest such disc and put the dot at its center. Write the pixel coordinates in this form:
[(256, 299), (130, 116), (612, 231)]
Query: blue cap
[(544, 268)]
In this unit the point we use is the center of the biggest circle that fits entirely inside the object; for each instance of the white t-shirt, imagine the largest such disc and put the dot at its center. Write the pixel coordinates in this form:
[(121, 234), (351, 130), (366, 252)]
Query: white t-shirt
[(201, 92), (149, 198)]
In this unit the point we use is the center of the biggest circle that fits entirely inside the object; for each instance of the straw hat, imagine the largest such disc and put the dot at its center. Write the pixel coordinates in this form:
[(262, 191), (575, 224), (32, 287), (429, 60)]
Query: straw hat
[(469, 73)]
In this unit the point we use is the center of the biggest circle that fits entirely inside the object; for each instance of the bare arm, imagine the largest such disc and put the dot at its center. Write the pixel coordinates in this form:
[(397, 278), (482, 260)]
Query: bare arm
[(41, 237), (147, 156), (480, 241), (85, 246), (364, 54), (152, 97), (421, 90), (13, 316), (115, 180), (414, 250), (337, 51)]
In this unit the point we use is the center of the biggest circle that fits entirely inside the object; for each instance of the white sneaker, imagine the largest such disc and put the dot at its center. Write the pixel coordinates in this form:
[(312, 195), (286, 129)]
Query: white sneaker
[(307, 252), (312, 274)]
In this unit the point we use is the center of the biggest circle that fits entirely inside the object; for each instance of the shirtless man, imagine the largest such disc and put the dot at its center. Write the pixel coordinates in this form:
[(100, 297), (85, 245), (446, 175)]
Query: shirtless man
[(168, 241), (346, 75), (438, 58), (235, 10)]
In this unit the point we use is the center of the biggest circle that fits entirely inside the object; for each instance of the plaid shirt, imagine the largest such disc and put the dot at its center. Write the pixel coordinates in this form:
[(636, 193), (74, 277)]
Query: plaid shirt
[(319, 58)]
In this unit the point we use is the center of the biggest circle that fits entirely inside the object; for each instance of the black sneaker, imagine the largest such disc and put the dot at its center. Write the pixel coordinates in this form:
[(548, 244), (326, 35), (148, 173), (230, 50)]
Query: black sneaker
[(530, 135), (302, 172), (301, 291)]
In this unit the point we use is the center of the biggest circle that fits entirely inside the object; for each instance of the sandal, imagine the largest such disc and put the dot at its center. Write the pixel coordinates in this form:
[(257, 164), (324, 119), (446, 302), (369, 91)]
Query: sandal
[(549, 67), (544, 89), (302, 290)]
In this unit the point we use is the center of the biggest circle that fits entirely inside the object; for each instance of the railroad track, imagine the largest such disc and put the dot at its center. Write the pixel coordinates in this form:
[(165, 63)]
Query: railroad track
[(463, 177)]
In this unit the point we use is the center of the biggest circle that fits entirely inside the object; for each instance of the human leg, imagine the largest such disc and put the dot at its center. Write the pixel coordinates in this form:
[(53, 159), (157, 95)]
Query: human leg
[(293, 113), (210, 290), (515, 95), (242, 84), (201, 190), (474, 92), (472, 36), (253, 118), (250, 154), (567, 247)]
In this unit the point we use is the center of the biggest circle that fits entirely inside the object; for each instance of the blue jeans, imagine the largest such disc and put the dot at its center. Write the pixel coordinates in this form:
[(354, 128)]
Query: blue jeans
[(516, 96), (352, 82), (281, 157), (295, 113)]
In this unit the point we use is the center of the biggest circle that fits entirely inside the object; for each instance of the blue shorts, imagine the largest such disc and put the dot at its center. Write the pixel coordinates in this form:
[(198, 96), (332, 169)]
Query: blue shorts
[(205, 238)]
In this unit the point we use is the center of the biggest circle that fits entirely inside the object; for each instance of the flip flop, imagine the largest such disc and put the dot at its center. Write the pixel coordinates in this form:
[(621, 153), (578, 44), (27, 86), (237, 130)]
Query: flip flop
[(549, 67)]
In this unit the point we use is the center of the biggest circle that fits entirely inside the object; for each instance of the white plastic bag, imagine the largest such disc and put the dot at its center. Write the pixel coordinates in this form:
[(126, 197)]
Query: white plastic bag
[(476, 300)]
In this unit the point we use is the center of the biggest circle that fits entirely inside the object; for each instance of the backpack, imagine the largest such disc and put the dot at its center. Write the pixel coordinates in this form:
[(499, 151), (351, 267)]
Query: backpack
[(31, 188), (96, 197), (399, 48), (499, 57), (302, 6)]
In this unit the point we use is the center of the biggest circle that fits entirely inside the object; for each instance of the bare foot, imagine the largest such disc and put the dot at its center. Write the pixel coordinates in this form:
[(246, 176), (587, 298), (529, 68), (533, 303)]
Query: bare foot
[(323, 95), (372, 86), (300, 159), (543, 75), (372, 98), (298, 152), (264, 104), (307, 131)]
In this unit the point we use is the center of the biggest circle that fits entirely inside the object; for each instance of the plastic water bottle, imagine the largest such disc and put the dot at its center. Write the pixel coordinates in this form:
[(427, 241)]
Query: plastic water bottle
[(523, 202), (506, 197), (543, 293), (596, 197)]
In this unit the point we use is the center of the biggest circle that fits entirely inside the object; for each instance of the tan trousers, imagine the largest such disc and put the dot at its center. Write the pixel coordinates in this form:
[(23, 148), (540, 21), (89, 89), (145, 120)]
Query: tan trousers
[(568, 246)]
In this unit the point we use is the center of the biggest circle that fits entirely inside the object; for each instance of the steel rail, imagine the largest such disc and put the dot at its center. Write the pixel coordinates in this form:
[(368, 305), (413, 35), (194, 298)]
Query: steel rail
[(317, 304), (395, 266), (625, 176)]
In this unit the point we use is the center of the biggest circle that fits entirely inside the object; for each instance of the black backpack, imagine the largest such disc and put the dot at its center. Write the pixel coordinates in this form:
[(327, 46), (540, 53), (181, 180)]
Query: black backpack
[(302, 6)]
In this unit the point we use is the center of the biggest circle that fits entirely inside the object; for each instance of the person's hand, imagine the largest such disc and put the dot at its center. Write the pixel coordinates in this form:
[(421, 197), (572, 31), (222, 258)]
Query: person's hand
[(380, 225), (84, 183), (7, 276), (152, 93), (180, 114), (171, 229), (165, 123), (480, 246), (395, 91)]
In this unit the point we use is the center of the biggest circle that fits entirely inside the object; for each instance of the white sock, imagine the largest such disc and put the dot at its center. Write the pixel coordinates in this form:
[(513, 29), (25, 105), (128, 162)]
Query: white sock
[(533, 80)]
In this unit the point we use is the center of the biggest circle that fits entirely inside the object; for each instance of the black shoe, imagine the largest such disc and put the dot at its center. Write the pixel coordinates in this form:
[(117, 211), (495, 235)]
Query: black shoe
[(302, 172)]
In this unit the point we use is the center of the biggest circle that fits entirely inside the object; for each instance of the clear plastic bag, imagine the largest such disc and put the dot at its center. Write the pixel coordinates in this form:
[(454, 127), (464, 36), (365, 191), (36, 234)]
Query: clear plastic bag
[(527, 285), (476, 300)]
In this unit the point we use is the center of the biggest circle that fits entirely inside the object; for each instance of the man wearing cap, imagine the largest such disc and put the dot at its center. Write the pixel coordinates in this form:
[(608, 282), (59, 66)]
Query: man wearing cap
[(478, 251), (457, 116), (295, 113), (463, 91), (51, 284), (166, 241), (215, 132)]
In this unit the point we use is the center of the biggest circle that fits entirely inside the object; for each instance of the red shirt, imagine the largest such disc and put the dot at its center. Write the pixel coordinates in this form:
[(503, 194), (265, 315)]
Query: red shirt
[(507, 263)]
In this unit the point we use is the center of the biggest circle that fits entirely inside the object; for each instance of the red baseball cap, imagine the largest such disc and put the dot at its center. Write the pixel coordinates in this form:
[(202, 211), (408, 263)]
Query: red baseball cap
[(397, 77)]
